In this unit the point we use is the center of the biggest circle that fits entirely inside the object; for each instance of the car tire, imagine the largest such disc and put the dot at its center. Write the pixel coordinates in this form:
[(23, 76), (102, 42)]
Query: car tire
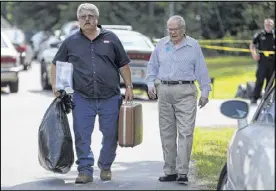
[(44, 77), (30, 65), (222, 178), (25, 67), (14, 86)]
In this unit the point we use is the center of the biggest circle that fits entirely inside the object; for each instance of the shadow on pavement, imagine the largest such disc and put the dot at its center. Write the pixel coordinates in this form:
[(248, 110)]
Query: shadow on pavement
[(47, 93), (3, 93), (125, 175)]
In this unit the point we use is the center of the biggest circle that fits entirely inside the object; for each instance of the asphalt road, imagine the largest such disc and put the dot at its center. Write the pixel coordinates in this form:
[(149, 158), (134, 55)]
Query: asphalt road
[(134, 168)]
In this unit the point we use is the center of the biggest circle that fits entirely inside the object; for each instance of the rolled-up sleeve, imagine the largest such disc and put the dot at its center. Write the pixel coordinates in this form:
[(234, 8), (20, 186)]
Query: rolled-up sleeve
[(153, 67), (201, 73)]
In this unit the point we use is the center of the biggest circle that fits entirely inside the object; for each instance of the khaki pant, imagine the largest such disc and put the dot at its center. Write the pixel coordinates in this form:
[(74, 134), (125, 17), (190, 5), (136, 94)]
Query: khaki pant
[(177, 113)]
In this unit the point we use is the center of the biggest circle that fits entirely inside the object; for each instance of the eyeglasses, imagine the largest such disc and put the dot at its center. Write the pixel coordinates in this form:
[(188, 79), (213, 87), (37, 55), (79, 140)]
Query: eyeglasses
[(90, 17), (268, 24), (174, 30)]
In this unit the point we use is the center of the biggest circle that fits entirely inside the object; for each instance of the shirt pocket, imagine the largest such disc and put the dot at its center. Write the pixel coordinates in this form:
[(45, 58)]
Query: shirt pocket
[(104, 49), (164, 57)]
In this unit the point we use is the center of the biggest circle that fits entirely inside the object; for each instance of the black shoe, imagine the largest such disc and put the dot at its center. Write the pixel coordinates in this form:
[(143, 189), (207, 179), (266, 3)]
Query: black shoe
[(182, 179), (168, 178)]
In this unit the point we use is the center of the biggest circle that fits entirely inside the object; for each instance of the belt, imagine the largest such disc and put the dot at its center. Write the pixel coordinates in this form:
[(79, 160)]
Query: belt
[(177, 82)]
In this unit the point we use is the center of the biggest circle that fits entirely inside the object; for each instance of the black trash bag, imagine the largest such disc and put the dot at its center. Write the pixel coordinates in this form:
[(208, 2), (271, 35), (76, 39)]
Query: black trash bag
[(54, 136)]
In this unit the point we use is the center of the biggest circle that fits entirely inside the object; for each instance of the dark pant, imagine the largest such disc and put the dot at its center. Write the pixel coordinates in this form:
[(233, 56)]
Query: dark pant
[(84, 115), (264, 72)]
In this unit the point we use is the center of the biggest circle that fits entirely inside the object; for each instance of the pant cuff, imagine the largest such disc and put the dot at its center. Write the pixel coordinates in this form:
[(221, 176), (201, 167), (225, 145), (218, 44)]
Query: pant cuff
[(86, 171)]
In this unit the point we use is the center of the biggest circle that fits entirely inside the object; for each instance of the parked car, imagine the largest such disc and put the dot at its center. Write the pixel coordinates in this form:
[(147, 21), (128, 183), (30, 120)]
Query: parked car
[(5, 23), (67, 28), (138, 47), (10, 64), (36, 39), (45, 57), (17, 37), (251, 152), (46, 44)]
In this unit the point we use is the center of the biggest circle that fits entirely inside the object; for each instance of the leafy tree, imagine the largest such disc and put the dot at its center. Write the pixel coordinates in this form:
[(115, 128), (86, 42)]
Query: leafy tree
[(204, 20)]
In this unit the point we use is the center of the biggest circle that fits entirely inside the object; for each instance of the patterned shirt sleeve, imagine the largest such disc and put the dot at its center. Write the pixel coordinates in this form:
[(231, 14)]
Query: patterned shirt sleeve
[(201, 73), (153, 67)]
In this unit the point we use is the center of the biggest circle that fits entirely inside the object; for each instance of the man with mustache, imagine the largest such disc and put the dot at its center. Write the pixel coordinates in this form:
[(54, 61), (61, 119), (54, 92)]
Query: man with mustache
[(177, 61), (98, 59)]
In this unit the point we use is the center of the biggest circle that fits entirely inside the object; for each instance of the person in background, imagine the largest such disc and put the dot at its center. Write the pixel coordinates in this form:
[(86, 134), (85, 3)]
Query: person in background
[(263, 40), (178, 62), (98, 59)]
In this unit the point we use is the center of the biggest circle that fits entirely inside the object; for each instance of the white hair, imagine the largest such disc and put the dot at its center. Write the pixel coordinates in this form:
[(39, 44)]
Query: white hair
[(89, 7), (180, 20), (270, 21)]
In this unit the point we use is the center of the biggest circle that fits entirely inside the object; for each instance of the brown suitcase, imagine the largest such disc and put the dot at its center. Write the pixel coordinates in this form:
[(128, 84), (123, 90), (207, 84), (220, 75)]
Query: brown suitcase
[(130, 127)]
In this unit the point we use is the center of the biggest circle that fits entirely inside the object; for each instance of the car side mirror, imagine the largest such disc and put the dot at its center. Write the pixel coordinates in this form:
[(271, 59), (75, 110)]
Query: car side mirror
[(235, 109)]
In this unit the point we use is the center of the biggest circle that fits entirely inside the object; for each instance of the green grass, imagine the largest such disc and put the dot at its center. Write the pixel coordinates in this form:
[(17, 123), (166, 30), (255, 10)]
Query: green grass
[(210, 152), (229, 72)]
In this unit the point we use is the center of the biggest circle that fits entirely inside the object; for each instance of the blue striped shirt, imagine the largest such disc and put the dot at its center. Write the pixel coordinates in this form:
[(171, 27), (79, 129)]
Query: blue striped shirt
[(184, 62)]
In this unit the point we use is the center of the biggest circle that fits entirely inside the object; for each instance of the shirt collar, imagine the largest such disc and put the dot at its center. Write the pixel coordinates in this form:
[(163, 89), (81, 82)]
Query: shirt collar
[(185, 41), (167, 40), (102, 30)]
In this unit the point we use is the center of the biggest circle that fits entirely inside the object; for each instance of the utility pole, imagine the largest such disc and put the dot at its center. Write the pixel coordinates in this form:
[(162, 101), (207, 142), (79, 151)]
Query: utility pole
[(171, 8), (171, 13), (151, 18)]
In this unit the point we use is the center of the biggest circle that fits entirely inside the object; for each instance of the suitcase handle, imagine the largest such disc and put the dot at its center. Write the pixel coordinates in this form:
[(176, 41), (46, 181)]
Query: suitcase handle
[(128, 103)]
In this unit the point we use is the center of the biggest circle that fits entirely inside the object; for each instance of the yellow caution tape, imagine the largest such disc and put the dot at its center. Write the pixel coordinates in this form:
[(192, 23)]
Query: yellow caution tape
[(225, 48), (224, 41), (266, 53), (216, 41)]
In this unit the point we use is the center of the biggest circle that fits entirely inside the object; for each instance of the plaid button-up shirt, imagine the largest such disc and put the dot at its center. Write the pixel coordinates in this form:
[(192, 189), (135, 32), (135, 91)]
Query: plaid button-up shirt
[(183, 62)]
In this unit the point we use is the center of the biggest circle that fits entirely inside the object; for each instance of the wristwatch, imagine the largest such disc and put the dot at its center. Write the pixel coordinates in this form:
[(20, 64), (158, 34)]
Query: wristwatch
[(129, 86)]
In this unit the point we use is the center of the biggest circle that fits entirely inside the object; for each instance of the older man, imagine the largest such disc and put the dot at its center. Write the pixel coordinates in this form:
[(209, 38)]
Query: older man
[(177, 61), (98, 57)]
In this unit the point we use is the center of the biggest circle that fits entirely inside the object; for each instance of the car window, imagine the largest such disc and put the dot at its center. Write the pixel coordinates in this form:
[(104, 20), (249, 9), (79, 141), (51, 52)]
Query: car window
[(16, 36), (267, 111), (134, 41), (3, 43), (68, 27)]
